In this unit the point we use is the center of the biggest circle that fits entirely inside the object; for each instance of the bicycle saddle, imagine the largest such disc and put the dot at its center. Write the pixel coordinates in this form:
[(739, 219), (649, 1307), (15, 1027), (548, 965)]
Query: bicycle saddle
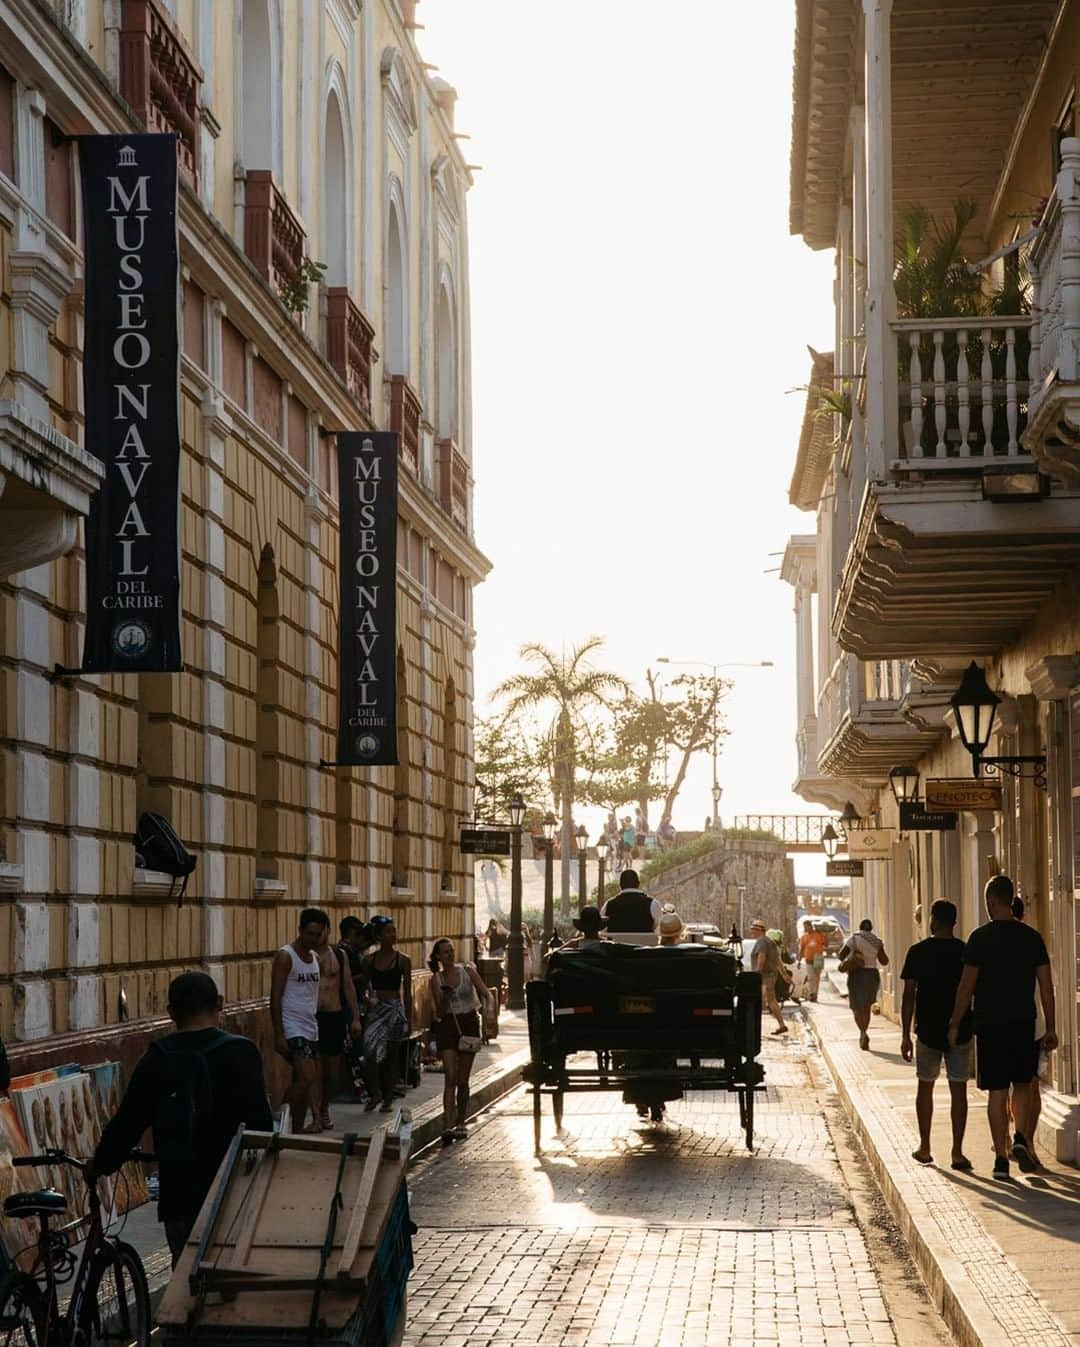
[(43, 1202)]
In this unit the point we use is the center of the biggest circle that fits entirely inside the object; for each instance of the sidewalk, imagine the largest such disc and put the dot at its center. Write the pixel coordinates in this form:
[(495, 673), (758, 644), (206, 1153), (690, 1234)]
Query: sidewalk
[(1001, 1260), (497, 1070)]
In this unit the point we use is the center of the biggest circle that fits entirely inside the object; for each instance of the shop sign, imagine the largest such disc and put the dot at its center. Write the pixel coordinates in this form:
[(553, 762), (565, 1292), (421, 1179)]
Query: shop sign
[(973, 795), (844, 869), (870, 843), (367, 621), (131, 390), (914, 818), (485, 841)]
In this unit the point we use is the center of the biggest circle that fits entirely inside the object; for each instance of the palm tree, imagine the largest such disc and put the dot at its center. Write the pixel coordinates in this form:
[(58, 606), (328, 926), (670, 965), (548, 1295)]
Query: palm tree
[(570, 689)]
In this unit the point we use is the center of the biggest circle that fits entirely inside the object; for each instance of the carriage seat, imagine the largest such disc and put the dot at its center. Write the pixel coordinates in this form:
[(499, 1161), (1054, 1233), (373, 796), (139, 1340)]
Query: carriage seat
[(41, 1202)]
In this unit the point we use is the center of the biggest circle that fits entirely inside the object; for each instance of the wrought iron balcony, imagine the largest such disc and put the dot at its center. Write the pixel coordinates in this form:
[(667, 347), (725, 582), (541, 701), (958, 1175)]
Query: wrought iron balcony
[(453, 483), (273, 236), (160, 78), (349, 338), (405, 412)]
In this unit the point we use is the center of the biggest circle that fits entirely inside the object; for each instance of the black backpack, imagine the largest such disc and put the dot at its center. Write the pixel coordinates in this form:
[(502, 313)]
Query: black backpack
[(184, 1113), (159, 848)]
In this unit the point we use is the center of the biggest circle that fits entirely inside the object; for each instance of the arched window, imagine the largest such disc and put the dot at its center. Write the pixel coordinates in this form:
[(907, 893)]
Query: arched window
[(257, 87), (335, 195), (397, 281), (446, 366), (268, 722)]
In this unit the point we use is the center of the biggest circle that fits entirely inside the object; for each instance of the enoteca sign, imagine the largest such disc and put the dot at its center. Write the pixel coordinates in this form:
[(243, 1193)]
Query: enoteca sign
[(971, 794), (131, 385)]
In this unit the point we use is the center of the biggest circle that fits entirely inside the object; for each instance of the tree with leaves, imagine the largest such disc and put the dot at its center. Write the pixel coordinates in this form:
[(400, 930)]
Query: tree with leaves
[(693, 720), (568, 694)]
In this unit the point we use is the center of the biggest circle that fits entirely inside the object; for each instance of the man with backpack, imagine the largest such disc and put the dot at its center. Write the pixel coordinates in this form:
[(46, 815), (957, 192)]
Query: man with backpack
[(194, 1088)]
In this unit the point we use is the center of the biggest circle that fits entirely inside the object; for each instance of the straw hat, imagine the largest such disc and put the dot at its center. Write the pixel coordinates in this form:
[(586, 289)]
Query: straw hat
[(670, 926)]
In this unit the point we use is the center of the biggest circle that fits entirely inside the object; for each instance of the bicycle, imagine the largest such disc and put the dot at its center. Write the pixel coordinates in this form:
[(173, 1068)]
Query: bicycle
[(110, 1297)]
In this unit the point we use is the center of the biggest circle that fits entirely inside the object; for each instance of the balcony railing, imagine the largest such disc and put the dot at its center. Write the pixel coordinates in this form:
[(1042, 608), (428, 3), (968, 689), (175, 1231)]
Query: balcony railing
[(273, 236), (405, 414), (963, 388), (454, 483), (886, 680), (160, 79), (349, 338)]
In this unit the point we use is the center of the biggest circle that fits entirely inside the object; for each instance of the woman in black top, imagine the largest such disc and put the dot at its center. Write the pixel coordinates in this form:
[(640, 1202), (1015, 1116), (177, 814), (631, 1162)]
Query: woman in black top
[(389, 1014)]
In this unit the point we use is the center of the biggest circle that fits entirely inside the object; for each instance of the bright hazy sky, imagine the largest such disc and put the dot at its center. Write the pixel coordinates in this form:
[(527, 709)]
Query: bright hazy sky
[(639, 312)]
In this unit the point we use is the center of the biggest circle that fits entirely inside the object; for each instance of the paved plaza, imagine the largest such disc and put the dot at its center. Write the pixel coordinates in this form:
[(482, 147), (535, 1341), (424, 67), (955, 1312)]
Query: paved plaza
[(660, 1237)]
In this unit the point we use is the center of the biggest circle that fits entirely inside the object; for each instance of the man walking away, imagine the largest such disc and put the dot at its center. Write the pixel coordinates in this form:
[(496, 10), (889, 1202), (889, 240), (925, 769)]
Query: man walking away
[(812, 956), (931, 974), (1003, 960), (194, 1089), (294, 1004), (765, 959), (631, 915)]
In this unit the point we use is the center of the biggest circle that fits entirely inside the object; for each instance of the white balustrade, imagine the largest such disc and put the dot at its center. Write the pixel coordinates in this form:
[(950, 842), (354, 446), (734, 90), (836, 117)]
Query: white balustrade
[(966, 391), (1054, 265)]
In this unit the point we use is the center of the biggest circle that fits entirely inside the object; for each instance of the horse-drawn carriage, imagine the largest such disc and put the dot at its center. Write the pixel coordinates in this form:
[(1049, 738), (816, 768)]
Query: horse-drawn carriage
[(650, 1021)]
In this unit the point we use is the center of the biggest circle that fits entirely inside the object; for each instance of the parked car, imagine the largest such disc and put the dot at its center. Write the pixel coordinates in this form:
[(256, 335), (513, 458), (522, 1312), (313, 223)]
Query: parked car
[(833, 932), (701, 932)]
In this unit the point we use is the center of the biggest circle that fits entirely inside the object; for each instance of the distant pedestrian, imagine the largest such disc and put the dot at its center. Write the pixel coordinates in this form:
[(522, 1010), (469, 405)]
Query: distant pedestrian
[(631, 915), (765, 959), (1040, 1033), (628, 839), (294, 1005), (860, 956), (497, 937), (338, 1010), (489, 877), (193, 1089), (812, 958), (459, 995), (388, 1017), (1004, 959), (931, 974), (356, 939)]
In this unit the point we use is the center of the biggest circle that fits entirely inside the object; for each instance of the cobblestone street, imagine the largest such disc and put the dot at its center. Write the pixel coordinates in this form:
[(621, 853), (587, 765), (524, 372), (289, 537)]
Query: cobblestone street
[(665, 1237)]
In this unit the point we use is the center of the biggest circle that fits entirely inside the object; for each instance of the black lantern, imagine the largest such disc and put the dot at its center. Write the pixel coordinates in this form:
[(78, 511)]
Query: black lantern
[(550, 826), (975, 706), (905, 784), (849, 819), (517, 811), (581, 838), (602, 848), (830, 841)]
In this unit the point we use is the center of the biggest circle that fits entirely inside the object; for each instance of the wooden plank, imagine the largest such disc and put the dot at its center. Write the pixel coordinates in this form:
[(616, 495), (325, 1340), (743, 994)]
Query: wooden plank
[(265, 1168), (255, 1141), (351, 1246)]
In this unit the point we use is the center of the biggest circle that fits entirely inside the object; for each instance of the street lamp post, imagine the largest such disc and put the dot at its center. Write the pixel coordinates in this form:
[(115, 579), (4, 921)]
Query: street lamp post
[(717, 789), (601, 857), (550, 826), (515, 946), (581, 837)]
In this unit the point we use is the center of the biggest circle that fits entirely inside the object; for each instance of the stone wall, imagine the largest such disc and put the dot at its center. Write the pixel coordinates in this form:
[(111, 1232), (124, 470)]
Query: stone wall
[(707, 888)]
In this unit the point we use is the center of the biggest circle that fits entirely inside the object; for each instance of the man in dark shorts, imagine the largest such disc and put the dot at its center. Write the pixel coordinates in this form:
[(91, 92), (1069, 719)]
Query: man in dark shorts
[(1002, 962), (931, 974)]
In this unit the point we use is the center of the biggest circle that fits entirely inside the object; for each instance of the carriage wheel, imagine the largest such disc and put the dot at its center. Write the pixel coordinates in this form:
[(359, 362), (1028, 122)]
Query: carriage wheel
[(557, 1109), (537, 1101), (748, 1120)]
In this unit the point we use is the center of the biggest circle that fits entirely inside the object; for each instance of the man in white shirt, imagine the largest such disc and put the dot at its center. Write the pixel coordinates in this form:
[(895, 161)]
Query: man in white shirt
[(631, 915)]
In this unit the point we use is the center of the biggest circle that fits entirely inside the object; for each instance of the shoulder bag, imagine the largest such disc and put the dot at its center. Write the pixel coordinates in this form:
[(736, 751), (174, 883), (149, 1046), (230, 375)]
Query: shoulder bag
[(853, 960), (466, 1042)]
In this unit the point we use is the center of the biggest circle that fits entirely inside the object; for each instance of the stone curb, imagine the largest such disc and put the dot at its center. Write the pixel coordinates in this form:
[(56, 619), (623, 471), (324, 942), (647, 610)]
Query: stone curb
[(959, 1301)]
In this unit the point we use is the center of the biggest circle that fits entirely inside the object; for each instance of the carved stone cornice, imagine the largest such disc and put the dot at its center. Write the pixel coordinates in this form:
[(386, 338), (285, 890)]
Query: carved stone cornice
[(1054, 677)]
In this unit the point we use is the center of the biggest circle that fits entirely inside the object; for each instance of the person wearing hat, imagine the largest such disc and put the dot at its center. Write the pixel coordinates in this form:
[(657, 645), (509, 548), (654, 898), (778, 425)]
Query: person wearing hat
[(670, 927), (589, 924), (765, 959)]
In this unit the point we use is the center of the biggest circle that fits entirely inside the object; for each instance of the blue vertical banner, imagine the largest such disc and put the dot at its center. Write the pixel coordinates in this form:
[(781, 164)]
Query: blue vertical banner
[(367, 610), (131, 389)]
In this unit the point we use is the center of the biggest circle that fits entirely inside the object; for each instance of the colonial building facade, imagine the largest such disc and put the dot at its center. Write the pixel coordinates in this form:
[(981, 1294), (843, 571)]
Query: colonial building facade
[(307, 133), (941, 467)]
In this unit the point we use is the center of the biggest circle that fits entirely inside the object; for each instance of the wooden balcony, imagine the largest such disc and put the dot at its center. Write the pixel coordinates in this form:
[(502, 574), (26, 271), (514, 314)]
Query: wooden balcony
[(160, 78), (405, 412), (453, 483), (273, 236), (349, 338), (863, 728)]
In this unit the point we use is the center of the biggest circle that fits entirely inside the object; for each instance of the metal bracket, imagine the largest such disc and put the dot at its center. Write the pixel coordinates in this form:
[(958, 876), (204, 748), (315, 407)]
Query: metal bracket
[(1031, 767)]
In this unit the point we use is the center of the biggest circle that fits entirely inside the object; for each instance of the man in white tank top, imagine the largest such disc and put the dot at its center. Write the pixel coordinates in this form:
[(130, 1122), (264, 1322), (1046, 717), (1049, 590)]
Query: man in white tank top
[(294, 1003)]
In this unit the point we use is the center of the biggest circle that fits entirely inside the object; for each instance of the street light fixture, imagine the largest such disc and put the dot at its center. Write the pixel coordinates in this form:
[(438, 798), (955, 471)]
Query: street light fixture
[(515, 945), (549, 827), (830, 841), (849, 819), (601, 856), (581, 838), (905, 784), (705, 664), (975, 705)]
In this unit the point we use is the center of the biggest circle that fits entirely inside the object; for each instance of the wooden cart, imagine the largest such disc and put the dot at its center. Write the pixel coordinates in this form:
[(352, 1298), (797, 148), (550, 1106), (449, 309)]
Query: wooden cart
[(303, 1239)]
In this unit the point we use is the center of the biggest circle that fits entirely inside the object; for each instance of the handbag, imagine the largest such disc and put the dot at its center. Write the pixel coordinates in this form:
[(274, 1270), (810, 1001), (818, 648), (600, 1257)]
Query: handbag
[(853, 960), (466, 1042)]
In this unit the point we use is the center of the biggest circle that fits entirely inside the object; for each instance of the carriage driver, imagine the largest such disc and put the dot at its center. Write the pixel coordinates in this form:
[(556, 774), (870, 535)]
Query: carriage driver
[(631, 915)]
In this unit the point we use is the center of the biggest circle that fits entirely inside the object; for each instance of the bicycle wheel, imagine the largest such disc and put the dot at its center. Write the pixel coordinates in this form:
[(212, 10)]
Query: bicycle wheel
[(23, 1314), (116, 1310)]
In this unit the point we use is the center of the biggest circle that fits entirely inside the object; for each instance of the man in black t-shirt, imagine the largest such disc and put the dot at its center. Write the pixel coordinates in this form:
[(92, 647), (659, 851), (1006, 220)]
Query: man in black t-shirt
[(931, 974), (1003, 960)]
